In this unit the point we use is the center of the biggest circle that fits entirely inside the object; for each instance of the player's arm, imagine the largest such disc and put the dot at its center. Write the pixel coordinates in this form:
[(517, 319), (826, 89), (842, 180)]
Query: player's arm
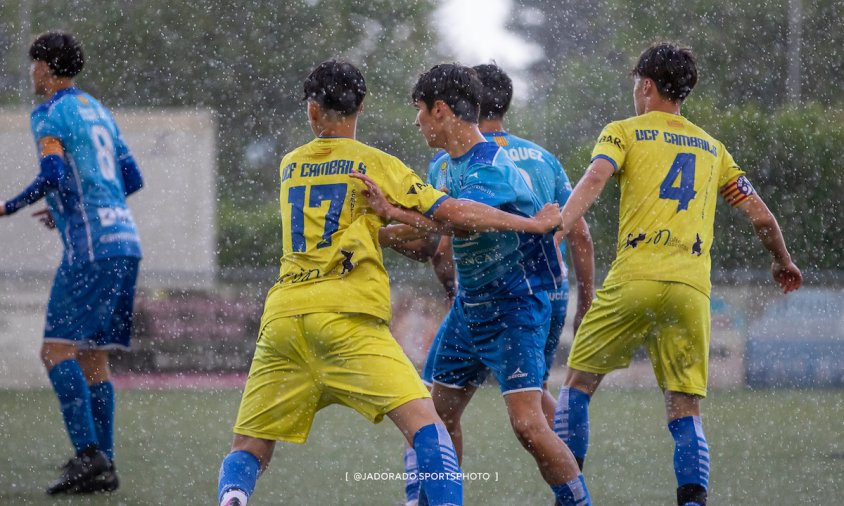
[(132, 179), (411, 242), (443, 263), (585, 193), (583, 263), (769, 233), (463, 214), (49, 176)]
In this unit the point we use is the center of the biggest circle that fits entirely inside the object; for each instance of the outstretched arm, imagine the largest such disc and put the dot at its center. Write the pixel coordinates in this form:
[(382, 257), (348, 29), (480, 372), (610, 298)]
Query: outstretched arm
[(463, 214), (585, 193), (583, 262), (785, 273), (51, 173)]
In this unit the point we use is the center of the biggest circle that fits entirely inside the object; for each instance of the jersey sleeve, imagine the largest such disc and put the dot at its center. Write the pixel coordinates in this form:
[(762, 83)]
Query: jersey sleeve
[(611, 146), (405, 188), (44, 124), (732, 183)]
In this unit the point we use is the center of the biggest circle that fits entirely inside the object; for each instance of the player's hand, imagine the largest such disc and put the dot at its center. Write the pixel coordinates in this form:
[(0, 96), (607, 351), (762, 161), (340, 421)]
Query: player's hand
[(377, 201), (787, 275), (547, 219), (45, 218), (2, 208)]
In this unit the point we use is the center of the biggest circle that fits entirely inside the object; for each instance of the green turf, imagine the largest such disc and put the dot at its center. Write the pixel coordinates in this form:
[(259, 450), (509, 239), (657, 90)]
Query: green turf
[(783, 447)]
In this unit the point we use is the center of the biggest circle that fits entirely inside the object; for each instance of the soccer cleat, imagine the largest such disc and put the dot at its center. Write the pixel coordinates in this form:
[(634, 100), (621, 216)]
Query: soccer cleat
[(234, 501), (107, 481), (79, 470), (66, 465)]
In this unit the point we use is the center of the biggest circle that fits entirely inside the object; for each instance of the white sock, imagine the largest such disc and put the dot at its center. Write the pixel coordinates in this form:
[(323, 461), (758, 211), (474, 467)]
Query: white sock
[(234, 494)]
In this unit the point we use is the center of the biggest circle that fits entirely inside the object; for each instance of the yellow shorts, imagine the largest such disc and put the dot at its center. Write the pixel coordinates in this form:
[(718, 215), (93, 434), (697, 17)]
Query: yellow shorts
[(304, 363), (670, 319)]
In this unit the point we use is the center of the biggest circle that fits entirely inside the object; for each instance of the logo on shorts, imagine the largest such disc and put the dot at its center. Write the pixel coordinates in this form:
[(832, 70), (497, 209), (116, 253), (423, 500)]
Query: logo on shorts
[(517, 374)]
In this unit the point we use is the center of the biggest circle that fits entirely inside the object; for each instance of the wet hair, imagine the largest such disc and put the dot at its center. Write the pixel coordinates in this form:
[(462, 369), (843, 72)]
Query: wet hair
[(672, 68), (497, 93), (454, 84), (336, 86), (62, 52)]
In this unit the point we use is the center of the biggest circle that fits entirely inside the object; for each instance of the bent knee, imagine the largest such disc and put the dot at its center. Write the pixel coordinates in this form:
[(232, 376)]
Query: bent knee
[(528, 431), (53, 354)]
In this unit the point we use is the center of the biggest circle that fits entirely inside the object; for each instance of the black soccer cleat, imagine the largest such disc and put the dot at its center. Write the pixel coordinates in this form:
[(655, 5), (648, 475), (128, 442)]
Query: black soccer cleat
[(80, 469), (234, 501), (107, 481)]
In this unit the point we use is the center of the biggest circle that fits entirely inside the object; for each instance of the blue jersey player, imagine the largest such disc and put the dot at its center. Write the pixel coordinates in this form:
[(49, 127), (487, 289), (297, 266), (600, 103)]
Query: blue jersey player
[(545, 176), (499, 320), (86, 173)]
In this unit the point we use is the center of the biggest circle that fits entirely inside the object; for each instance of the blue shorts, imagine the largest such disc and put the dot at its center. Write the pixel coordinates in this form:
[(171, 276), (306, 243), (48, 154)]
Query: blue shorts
[(503, 336), (559, 306), (91, 304)]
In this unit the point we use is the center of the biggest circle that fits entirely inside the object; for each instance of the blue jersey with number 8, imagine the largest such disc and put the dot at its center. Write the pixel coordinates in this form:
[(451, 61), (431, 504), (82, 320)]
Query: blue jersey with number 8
[(89, 206)]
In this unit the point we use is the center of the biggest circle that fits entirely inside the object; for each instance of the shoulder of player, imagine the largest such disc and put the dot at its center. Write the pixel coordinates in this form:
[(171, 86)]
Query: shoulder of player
[(439, 157), (487, 153), (700, 132), (63, 101)]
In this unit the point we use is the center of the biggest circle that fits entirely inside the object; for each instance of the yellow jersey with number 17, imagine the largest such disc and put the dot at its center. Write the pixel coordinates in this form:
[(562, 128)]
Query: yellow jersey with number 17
[(332, 262), (670, 172)]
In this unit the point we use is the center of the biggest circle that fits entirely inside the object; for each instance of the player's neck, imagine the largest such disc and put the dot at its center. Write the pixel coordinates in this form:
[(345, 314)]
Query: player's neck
[(462, 137), (660, 105), (346, 127), (491, 125), (56, 85)]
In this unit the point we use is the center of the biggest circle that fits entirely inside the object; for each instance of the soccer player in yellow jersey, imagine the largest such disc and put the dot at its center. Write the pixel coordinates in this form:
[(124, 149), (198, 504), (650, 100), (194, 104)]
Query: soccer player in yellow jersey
[(324, 336), (656, 294)]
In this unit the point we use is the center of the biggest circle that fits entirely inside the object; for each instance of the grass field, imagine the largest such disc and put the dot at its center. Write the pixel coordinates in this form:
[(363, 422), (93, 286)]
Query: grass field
[(772, 448)]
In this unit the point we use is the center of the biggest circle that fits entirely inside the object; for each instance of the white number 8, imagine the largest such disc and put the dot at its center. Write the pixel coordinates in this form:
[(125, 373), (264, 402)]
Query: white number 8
[(105, 151)]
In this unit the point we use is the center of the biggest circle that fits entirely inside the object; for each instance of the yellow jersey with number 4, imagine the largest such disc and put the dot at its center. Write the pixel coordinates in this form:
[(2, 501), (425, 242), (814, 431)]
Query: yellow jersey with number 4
[(332, 261), (670, 172)]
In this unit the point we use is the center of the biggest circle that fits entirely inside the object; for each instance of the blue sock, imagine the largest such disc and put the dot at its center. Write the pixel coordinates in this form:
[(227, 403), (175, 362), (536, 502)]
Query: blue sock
[(691, 453), (102, 409), (411, 486), (239, 470), (571, 421), (439, 472), (75, 403), (572, 493)]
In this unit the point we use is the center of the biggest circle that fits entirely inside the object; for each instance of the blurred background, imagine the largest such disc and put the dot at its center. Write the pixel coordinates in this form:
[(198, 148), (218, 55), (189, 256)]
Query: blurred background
[(208, 94)]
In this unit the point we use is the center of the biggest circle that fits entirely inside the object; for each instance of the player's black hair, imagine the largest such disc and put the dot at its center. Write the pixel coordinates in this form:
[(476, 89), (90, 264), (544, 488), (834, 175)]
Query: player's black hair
[(337, 86), (454, 84), (497, 93), (62, 52), (672, 68)]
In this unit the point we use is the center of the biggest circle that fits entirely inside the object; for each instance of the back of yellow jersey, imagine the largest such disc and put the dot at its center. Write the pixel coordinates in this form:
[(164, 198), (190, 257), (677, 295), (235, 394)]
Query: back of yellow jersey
[(332, 261), (670, 173)]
